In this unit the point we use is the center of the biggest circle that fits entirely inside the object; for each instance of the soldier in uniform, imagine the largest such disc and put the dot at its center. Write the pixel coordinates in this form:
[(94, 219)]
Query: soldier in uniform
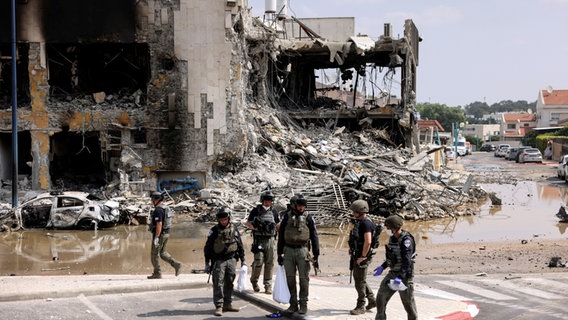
[(263, 220), (160, 225), (361, 254), (222, 250), (296, 232), (400, 254)]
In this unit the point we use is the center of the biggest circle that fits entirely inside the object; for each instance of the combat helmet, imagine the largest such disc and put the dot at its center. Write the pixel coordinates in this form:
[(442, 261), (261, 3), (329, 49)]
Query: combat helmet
[(359, 206), (223, 212), (157, 195), (266, 195)]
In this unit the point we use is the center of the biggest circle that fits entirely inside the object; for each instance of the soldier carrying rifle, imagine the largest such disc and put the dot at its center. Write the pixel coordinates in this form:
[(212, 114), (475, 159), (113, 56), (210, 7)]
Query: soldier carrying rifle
[(363, 238)]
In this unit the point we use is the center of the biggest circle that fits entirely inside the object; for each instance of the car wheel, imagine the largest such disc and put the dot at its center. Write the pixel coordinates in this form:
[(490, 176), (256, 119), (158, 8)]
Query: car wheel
[(86, 224)]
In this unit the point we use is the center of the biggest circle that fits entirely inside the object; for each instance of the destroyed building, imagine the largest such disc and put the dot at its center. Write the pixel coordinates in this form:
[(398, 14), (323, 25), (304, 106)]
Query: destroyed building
[(141, 93)]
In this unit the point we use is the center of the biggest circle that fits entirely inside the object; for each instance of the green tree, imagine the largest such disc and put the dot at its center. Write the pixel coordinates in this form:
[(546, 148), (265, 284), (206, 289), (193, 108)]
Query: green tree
[(444, 114)]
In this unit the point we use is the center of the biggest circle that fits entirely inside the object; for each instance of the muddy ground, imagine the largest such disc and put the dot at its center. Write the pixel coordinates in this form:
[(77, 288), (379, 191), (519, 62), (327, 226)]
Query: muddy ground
[(505, 257), (468, 258)]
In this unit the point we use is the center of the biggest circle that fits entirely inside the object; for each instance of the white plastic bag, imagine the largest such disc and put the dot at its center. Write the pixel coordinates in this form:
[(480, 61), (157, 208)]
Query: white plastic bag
[(242, 280), (396, 286), (281, 293)]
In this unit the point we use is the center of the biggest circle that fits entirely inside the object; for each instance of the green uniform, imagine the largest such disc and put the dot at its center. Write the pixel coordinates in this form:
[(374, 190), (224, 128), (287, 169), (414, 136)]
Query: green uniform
[(263, 244), (356, 241), (295, 234), (161, 213)]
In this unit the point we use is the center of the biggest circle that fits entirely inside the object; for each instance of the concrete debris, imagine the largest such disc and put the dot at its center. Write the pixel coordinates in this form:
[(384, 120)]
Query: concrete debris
[(330, 166)]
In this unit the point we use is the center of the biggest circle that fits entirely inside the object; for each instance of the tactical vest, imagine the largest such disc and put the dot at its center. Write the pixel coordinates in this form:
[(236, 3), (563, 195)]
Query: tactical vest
[(393, 252), (226, 241), (296, 232), (168, 216), (266, 225), (356, 242)]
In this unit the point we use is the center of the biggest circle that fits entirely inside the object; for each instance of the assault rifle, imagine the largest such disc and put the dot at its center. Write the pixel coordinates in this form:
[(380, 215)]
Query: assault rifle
[(352, 261)]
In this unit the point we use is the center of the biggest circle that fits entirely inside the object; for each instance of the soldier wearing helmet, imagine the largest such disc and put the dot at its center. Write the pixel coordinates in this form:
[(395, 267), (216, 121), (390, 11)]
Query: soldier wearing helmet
[(160, 225), (262, 220), (297, 233), (223, 248), (361, 254), (400, 253)]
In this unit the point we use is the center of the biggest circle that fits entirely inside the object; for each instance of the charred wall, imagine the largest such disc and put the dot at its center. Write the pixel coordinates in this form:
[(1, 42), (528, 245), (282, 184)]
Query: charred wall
[(130, 89), (63, 21)]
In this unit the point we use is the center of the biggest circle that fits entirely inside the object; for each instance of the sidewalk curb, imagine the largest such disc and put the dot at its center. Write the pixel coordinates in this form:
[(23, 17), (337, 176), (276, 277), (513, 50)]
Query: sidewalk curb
[(471, 311)]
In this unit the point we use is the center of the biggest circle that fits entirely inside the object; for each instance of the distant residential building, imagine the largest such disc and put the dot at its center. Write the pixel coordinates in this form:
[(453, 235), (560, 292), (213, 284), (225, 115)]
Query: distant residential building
[(514, 126), (482, 131), (495, 116), (551, 107)]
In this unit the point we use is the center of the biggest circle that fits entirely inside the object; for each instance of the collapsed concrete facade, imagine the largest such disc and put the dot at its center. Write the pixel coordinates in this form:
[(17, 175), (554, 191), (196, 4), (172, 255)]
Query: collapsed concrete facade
[(141, 92)]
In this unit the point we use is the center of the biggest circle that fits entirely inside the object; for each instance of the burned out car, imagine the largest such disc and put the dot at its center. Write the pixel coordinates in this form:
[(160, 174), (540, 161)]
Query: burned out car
[(67, 210)]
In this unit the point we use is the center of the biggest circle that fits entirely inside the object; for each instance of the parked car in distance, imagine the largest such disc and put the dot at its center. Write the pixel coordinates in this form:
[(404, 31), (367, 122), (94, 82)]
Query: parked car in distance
[(488, 147), (561, 169), (520, 150), (501, 150), (530, 155), (67, 210), (450, 153), (511, 153)]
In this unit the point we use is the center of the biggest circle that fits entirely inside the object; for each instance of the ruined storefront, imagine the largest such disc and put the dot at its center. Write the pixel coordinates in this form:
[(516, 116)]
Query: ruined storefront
[(144, 94)]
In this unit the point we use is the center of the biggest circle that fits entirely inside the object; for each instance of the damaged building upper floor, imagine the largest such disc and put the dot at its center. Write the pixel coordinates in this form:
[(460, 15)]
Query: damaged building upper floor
[(141, 94)]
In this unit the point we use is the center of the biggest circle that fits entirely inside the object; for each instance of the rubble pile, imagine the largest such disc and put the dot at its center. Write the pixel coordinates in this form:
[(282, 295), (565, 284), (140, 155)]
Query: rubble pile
[(328, 165), (332, 168)]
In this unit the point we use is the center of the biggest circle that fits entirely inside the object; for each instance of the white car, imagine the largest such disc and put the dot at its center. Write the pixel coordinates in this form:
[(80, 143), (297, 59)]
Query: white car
[(531, 155), (67, 210), (501, 150), (561, 169)]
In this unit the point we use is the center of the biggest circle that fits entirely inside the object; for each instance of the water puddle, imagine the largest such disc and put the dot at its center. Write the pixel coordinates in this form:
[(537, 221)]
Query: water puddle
[(528, 211)]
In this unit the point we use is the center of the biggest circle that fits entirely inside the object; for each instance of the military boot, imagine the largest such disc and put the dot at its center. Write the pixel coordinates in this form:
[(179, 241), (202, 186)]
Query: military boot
[(255, 287), (218, 311), (230, 308), (154, 276), (291, 309), (303, 308), (359, 309), (372, 303)]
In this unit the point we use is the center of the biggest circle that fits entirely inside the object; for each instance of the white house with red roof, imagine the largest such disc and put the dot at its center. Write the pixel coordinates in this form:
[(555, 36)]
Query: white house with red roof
[(551, 107), (514, 126)]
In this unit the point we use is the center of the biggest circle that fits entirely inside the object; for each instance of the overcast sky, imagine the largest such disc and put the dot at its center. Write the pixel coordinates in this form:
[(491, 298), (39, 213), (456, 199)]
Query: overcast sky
[(472, 50)]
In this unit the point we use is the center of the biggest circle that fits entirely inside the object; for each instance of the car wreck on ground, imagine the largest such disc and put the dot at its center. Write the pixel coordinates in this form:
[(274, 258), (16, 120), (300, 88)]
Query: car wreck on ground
[(62, 210)]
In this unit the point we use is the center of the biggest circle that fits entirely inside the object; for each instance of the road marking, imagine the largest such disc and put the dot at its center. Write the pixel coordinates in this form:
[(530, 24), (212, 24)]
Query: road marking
[(526, 290), (443, 294), (93, 308), (550, 285), (477, 290)]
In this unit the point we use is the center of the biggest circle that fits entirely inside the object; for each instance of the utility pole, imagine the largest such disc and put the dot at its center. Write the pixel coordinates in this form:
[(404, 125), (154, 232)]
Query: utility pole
[(14, 109)]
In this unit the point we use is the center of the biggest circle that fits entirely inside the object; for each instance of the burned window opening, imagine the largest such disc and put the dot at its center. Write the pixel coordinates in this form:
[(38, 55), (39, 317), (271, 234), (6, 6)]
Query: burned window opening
[(79, 69), (24, 154), (22, 76), (139, 136), (76, 160)]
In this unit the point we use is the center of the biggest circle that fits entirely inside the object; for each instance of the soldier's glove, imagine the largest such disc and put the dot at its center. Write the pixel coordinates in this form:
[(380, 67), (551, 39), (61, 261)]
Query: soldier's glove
[(316, 264), (280, 260), (378, 271), (156, 242), (207, 267)]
